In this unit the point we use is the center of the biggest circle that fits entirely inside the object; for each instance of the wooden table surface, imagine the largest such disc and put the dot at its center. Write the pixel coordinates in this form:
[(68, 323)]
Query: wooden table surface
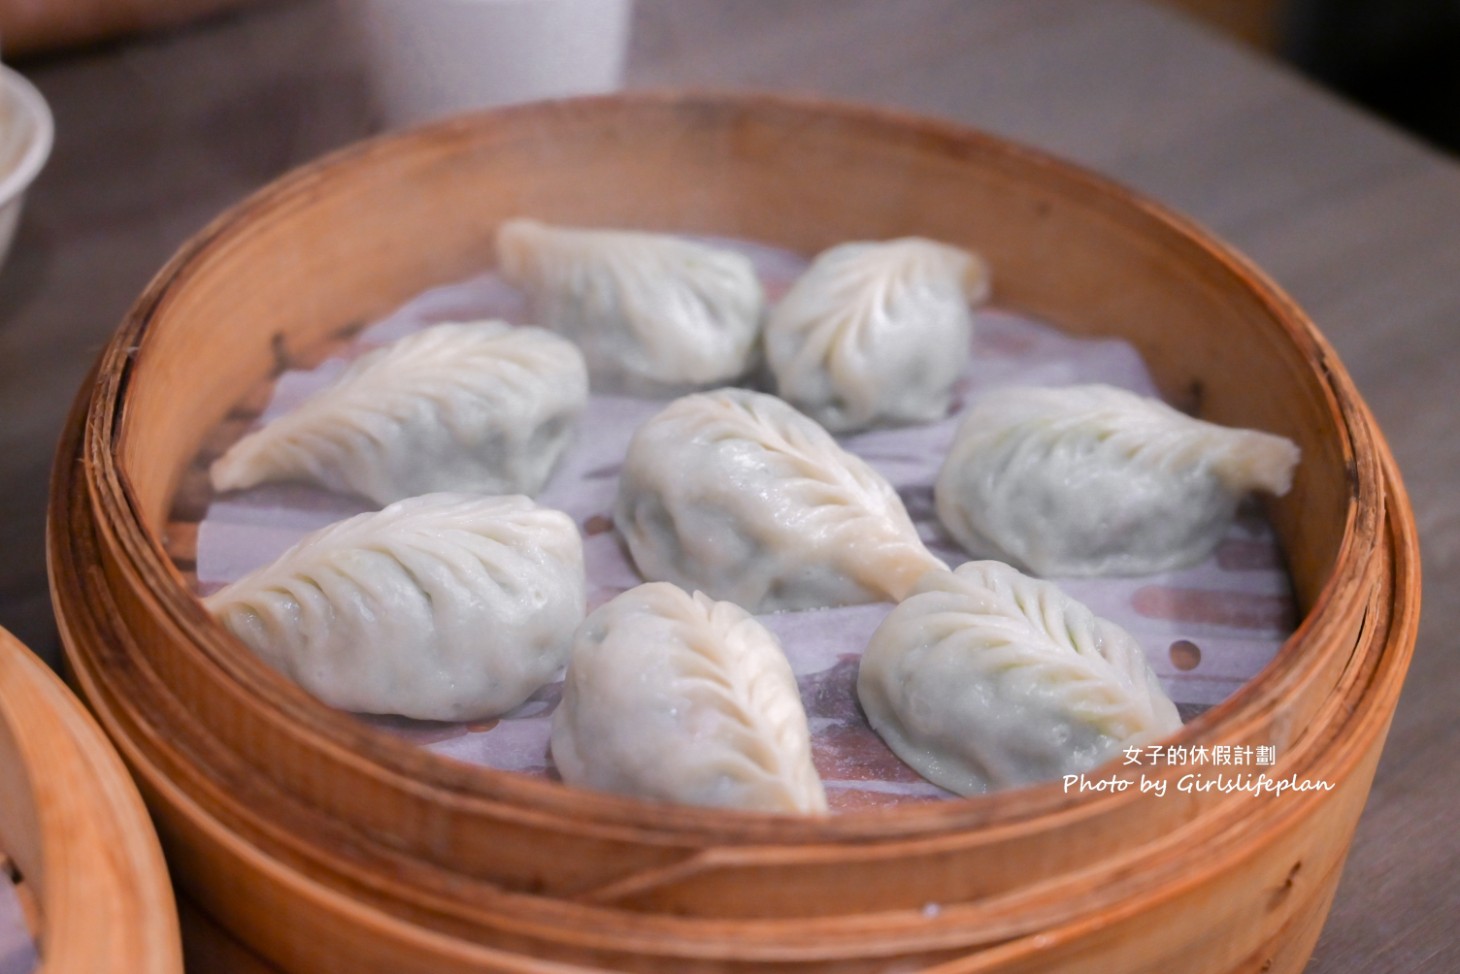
[(1358, 222)]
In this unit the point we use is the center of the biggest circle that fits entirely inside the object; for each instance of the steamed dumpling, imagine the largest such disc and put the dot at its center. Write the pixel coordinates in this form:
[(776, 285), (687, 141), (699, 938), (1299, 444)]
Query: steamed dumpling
[(440, 607), (681, 698), (736, 494), (481, 407), (876, 333), (654, 314), (1094, 480), (984, 679)]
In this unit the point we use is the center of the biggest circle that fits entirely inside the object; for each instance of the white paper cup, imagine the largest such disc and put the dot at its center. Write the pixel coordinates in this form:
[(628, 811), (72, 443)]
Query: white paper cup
[(434, 57), (26, 133)]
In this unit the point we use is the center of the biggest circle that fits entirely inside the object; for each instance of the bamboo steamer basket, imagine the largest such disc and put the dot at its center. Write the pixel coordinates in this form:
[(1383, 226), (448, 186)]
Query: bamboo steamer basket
[(326, 845), (28, 27), (91, 874)]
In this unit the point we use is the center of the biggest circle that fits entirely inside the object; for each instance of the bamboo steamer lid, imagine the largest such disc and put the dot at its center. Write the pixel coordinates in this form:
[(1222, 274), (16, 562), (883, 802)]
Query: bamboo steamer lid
[(76, 830), (392, 859)]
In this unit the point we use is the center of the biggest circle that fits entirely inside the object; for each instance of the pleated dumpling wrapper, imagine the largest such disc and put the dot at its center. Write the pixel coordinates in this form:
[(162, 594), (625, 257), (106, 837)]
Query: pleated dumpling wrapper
[(1095, 480), (876, 333), (985, 678), (738, 495), (439, 607), (680, 698), (483, 407), (655, 315)]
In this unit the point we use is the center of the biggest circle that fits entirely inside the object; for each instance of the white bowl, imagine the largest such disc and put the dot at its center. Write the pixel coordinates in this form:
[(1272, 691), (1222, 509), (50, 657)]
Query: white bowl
[(26, 132), (430, 58)]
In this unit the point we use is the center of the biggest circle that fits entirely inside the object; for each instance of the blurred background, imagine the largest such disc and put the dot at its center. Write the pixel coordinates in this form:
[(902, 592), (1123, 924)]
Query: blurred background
[(1398, 58)]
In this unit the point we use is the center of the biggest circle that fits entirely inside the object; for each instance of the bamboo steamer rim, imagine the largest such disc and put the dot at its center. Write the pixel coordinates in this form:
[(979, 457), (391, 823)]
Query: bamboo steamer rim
[(1329, 618), (76, 828)]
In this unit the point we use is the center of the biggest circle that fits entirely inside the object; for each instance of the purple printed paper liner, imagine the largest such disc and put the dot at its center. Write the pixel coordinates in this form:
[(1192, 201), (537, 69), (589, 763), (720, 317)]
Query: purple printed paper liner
[(1206, 630), (17, 946)]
